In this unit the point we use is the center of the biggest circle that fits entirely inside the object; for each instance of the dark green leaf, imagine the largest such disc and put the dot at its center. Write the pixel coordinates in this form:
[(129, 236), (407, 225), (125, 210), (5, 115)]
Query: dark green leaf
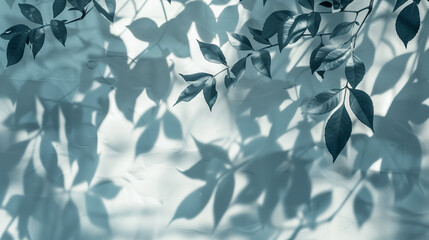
[(223, 197), (58, 7), (294, 32), (14, 30), (331, 58), (239, 69), (257, 36), (79, 4), (274, 21), (309, 4), (194, 203), (106, 8), (59, 30), (212, 53), (261, 60), (15, 48), (344, 4), (362, 107), (355, 70), (363, 205), (230, 81), (408, 23), (37, 39), (337, 131), (326, 4), (210, 93), (324, 102), (240, 42), (190, 92), (342, 28), (196, 77), (314, 63), (399, 3), (314, 20), (31, 13)]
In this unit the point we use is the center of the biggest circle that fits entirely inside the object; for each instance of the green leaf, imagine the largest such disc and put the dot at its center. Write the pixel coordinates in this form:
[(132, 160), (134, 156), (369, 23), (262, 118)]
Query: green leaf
[(14, 30), (15, 48), (196, 77), (314, 63), (274, 21), (326, 4), (309, 4), (229, 81), (210, 93), (342, 28), (31, 13), (79, 4), (240, 42), (261, 60), (362, 107), (58, 7), (190, 92), (223, 197), (314, 20), (106, 8), (257, 36), (37, 39), (408, 23), (59, 30), (194, 203), (239, 69), (324, 102), (355, 70), (363, 205), (337, 131), (212, 53), (399, 3), (293, 33), (331, 57)]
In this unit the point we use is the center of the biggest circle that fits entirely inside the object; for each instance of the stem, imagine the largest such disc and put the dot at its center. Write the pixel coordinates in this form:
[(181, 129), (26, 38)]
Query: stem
[(371, 4), (221, 71), (71, 21), (269, 46)]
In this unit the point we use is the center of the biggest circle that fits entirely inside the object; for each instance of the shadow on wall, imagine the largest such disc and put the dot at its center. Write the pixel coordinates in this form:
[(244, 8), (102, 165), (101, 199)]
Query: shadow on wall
[(61, 131)]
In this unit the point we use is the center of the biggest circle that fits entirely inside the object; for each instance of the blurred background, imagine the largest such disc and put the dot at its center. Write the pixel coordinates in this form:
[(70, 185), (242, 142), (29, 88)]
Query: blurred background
[(91, 146)]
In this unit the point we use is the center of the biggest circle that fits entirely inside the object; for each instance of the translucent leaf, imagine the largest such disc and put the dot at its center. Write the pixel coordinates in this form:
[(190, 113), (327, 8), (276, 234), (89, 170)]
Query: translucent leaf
[(363, 205), (314, 20), (261, 60), (141, 27), (58, 7), (337, 131), (37, 39), (274, 21), (172, 126), (355, 70), (14, 30), (324, 102), (96, 211), (106, 8), (210, 93), (362, 107), (342, 28), (148, 138), (31, 13), (240, 42), (212, 53), (408, 23), (204, 169), (320, 203), (223, 197), (15, 48), (196, 77), (59, 30), (106, 189)]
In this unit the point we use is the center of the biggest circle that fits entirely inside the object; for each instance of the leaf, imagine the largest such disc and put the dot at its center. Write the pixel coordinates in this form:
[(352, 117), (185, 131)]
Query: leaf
[(96, 211), (169, 1), (294, 33), (320, 203), (190, 92), (257, 36), (31, 13), (172, 126), (204, 169), (261, 60), (196, 77), (274, 21), (324, 102), (408, 23), (314, 63), (239, 69), (15, 48), (210, 93), (362, 107), (142, 26), (59, 30), (314, 20), (148, 138), (337, 131), (106, 8), (398, 4), (14, 30), (106, 189), (342, 29), (79, 4), (229, 81), (194, 203), (37, 39), (240, 42), (355, 70), (58, 7), (212, 53), (363, 205), (309, 4), (223, 197), (331, 58), (326, 4)]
